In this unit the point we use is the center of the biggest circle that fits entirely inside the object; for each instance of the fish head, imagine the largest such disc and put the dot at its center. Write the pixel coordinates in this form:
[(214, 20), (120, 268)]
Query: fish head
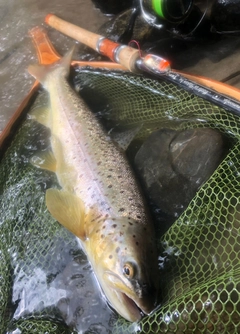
[(130, 271)]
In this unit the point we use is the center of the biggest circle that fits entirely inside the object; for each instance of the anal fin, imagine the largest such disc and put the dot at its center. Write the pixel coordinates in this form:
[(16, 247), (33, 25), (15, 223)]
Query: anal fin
[(68, 210)]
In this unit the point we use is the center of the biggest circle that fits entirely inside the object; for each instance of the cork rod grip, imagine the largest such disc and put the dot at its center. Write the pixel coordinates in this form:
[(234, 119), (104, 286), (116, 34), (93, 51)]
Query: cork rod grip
[(124, 55), (82, 35)]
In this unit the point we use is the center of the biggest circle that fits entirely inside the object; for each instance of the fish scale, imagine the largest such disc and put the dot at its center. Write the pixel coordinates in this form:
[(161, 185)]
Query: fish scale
[(100, 200), (102, 166)]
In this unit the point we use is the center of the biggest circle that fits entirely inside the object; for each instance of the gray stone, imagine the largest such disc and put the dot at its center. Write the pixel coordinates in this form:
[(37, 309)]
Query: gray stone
[(174, 164)]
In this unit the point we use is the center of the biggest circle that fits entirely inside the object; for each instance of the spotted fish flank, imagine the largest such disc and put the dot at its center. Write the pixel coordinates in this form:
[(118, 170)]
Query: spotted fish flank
[(100, 201)]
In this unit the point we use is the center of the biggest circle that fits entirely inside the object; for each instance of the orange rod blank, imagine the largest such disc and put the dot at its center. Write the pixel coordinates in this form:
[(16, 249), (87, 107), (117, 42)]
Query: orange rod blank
[(218, 86)]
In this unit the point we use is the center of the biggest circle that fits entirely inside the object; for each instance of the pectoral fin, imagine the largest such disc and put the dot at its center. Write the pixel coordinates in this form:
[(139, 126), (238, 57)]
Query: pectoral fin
[(68, 210), (44, 160)]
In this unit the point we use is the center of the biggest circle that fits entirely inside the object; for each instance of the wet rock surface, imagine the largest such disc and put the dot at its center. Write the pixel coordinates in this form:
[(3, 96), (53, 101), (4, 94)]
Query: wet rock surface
[(174, 164)]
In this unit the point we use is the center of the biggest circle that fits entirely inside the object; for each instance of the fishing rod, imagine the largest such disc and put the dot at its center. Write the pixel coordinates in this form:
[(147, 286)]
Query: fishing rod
[(149, 64), (131, 59)]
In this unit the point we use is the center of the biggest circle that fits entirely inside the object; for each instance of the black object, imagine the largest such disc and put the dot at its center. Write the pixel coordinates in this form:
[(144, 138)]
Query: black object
[(112, 7), (225, 16)]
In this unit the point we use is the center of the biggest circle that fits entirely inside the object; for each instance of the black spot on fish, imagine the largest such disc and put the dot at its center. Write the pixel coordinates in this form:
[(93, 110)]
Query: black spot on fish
[(104, 226), (122, 191), (130, 223), (137, 243), (110, 256), (121, 210), (138, 216), (117, 249), (99, 163), (110, 186), (114, 225), (134, 236), (121, 233), (109, 176), (102, 236)]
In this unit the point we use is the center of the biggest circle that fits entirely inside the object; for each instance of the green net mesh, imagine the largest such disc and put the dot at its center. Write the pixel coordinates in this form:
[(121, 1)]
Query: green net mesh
[(46, 283)]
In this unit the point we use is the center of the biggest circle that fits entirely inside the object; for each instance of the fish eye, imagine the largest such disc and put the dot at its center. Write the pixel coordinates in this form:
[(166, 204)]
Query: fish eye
[(128, 270)]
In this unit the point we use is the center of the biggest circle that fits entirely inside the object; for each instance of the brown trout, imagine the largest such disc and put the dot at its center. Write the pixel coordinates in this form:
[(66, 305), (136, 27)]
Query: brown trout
[(100, 201)]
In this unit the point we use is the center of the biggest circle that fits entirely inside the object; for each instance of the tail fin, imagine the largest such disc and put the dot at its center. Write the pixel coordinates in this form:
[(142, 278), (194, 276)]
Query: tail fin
[(40, 72)]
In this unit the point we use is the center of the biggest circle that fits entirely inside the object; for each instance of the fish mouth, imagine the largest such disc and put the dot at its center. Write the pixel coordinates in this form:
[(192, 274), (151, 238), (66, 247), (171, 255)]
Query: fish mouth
[(123, 300), (135, 311)]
